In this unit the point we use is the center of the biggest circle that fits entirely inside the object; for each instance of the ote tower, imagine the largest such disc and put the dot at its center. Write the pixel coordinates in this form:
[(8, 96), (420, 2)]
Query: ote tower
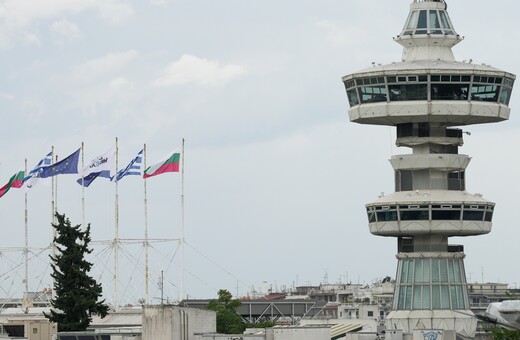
[(425, 96)]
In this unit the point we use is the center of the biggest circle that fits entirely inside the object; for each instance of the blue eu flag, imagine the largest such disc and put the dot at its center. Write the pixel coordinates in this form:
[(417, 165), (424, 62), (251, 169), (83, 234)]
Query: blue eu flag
[(67, 165)]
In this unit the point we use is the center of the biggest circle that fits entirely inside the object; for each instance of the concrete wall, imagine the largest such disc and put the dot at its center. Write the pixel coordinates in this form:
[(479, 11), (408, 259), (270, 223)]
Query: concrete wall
[(359, 336), (436, 334), (168, 322), (297, 333), (39, 329), (125, 337), (232, 337)]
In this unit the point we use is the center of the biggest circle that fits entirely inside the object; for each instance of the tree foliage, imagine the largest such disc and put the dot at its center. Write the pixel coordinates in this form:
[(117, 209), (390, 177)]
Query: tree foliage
[(228, 321), (76, 293), (500, 333), (263, 324)]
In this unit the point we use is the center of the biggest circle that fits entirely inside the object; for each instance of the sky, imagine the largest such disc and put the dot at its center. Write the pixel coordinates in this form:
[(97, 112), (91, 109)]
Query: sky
[(276, 177)]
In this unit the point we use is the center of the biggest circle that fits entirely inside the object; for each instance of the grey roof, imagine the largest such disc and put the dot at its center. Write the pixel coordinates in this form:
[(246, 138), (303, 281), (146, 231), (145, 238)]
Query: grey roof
[(430, 66)]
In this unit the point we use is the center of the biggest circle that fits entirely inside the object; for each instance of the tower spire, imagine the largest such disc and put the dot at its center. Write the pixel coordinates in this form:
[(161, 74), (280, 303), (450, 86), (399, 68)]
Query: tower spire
[(428, 33)]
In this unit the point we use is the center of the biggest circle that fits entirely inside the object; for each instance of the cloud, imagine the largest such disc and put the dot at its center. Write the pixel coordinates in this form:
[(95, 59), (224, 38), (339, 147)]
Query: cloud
[(335, 33), (65, 31), (193, 70), (115, 11), (34, 109), (112, 98), (17, 15), (104, 66), (159, 2), (6, 96), (118, 83), (31, 39)]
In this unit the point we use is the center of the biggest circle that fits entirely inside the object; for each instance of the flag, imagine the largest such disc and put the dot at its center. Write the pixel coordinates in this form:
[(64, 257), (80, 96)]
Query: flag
[(133, 168), (33, 178), (170, 163), (101, 166), (67, 165), (15, 181)]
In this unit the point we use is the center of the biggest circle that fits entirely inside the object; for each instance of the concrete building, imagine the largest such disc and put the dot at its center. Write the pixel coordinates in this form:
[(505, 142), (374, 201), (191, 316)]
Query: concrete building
[(277, 333), (425, 96), (31, 325), (482, 294), (169, 322), (380, 291)]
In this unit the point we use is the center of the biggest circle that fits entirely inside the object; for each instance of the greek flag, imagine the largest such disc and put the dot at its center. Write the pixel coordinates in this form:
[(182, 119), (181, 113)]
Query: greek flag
[(33, 178), (133, 168)]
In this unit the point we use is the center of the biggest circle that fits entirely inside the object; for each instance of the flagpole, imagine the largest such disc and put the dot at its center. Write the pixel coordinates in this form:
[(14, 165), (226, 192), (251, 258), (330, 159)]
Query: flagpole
[(52, 191), (116, 238), (54, 210), (82, 185), (26, 255), (146, 245), (182, 224)]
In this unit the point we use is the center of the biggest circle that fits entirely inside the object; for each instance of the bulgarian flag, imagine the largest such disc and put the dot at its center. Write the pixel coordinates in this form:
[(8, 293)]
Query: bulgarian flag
[(14, 182), (170, 163)]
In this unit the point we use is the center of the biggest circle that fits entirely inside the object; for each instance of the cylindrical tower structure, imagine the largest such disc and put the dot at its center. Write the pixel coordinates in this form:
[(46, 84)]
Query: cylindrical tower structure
[(425, 96)]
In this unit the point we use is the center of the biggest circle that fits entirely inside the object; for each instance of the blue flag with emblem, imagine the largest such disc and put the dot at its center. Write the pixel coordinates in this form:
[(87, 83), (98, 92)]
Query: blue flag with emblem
[(101, 166), (67, 165)]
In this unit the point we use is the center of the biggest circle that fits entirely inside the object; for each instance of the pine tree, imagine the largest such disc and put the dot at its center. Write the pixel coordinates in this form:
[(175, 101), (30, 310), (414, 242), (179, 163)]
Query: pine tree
[(76, 293)]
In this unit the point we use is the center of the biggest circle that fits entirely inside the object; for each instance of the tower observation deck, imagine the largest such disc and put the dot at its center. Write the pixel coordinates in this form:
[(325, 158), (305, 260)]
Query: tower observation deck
[(426, 96)]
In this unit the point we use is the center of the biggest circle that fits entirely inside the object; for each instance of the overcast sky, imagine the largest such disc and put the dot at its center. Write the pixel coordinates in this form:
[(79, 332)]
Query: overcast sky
[(276, 177)]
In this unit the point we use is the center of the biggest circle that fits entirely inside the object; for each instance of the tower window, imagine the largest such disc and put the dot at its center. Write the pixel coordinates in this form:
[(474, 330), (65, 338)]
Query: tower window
[(437, 283), (373, 94), (412, 21), (383, 216), (435, 25), (353, 98), (456, 180), (473, 215), (415, 215), (489, 214), (488, 93), (505, 94), (408, 92), (449, 91), (446, 214)]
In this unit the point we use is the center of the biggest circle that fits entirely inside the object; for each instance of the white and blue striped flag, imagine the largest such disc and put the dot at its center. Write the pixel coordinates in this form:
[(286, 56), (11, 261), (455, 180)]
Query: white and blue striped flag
[(33, 178), (133, 168)]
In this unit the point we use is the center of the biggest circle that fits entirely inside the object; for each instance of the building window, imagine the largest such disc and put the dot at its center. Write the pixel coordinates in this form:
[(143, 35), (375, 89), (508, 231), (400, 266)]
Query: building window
[(404, 92), (414, 213), (434, 87), (373, 94), (353, 98), (449, 91), (456, 180), (488, 93), (435, 283), (435, 212)]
